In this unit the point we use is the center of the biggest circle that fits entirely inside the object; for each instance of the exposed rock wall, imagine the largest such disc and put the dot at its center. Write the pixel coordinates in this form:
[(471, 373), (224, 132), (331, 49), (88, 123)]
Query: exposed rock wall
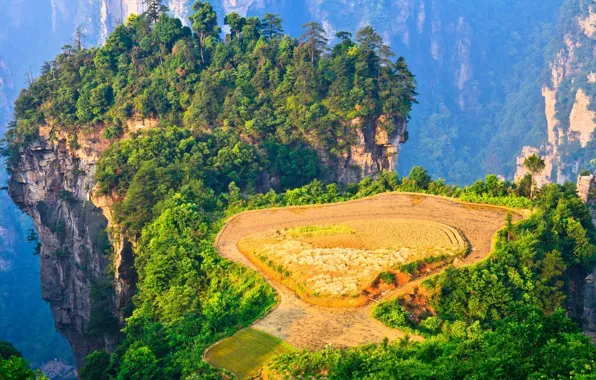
[(586, 189), (53, 182), (373, 151), (581, 119), (567, 73)]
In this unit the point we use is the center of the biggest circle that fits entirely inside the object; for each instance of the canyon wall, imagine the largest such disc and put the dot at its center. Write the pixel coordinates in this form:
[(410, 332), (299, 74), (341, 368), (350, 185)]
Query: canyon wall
[(569, 99), (87, 283)]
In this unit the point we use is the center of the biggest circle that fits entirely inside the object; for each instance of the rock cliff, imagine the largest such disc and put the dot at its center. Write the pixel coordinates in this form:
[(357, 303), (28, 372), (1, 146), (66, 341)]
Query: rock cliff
[(374, 151), (569, 107), (87, 283)]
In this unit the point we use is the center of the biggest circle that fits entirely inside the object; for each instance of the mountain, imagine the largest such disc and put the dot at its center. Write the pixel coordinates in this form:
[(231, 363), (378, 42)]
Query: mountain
[(481, 70), (495, 80), (26, 319), (569, 91)]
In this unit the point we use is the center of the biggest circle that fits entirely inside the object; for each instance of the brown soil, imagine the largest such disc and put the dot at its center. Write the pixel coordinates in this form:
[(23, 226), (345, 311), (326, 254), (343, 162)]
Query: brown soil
[(313, 327)]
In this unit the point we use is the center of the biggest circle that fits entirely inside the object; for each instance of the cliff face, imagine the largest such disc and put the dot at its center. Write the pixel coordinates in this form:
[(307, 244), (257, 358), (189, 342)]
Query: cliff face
[(373, 151), (569, 98), (52, 183)]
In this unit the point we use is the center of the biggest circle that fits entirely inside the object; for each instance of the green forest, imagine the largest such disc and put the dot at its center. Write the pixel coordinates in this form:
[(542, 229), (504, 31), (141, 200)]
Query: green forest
[(13, 366), (257, 102), (275, 102)]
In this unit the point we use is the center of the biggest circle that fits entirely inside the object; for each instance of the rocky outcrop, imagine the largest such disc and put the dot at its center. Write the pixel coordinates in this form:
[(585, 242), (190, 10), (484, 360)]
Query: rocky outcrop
[(541, 178), (586, 190), (373, 151), (582, 120), (570, 127), (87, 283)]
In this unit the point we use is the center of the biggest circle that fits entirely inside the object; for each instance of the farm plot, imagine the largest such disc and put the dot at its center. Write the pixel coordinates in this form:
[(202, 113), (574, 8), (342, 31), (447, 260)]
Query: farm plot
[(310, 326), (346, 264), (245, 352)]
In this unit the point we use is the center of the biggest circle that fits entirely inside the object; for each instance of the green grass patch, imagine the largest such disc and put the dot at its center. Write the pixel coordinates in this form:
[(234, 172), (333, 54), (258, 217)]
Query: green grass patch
[(245, 352)]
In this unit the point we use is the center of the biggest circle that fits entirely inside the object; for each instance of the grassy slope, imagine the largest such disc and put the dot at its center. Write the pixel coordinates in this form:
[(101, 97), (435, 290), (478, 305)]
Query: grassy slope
[(246, 352)]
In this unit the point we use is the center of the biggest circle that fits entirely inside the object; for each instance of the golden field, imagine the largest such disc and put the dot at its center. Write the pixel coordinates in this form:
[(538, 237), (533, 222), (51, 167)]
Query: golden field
[(344, 260)]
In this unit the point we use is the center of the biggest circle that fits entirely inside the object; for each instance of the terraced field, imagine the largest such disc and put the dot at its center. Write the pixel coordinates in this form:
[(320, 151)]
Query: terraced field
[(341, 264), (309, 326)]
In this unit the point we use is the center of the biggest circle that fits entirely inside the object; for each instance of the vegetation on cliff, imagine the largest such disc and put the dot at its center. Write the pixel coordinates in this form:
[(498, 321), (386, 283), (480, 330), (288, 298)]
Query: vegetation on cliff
[(184, 283), (13, 366), (261, 102), (286, 97), (528, 267), (525, 345)]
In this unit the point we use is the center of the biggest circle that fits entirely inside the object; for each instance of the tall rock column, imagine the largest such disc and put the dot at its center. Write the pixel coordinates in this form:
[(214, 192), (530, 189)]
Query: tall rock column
[(87, 282)]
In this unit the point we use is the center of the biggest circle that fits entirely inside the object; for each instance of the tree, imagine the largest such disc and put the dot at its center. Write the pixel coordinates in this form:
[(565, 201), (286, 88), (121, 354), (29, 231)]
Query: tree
[(77, 40), (385, 55), (13, 366), (535, 165), (369, 40), (271, 26), (420, 176), (251, 30), (344, 36), (236, 23), (344, 45), (139, 363), (204, 24), (154, 10), (315, 39), (96, 366)]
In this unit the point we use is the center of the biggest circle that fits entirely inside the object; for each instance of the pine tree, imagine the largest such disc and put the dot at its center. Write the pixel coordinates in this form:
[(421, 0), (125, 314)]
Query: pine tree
[(154, 10), (315, 38), (77, 40), (271, 26), (535, 165), (236, 23), (204, 24), (369, 39)]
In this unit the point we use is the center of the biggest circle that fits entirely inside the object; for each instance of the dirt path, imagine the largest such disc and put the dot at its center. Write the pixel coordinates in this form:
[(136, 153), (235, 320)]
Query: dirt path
[(313, 327)]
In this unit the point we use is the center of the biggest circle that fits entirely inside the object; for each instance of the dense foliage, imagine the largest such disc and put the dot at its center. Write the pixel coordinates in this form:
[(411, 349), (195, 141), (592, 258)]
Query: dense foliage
[(13, 366), (286, 97), (174, 199), (529, 266)]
